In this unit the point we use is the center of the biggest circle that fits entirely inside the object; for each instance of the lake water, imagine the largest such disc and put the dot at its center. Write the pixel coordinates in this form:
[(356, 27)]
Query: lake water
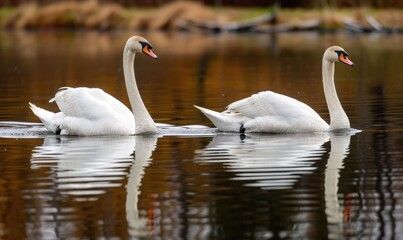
[(206, 186)]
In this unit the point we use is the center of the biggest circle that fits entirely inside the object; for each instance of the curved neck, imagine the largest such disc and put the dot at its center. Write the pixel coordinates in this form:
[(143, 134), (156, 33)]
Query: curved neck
[(144, 122), (338, 118)]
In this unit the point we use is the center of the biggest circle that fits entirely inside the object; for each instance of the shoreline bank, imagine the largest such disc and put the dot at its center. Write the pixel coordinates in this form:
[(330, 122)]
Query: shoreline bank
[(191, 16)]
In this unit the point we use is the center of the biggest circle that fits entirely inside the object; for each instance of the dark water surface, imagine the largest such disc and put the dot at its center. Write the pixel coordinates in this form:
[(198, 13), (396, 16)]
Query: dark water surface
[(316, 186)]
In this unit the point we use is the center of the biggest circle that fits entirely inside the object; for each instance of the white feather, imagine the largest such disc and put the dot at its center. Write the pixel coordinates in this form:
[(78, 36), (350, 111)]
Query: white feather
[(87, 111), (267, 112)]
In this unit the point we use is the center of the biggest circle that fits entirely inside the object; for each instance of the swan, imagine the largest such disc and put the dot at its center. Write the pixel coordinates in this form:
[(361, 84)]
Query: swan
[(91, 111), (272, 112)]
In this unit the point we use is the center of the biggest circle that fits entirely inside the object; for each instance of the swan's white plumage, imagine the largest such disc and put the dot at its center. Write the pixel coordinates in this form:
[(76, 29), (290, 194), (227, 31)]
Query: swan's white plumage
[(87, 111), (276, 113), (268, 111), (92, 104), (270, 103), (228, 121), (51, 120), (91, 111)]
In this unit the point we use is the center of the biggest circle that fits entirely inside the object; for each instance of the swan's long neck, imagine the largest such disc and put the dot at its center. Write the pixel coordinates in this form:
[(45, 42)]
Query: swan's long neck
[(338, 118), (144, 122)]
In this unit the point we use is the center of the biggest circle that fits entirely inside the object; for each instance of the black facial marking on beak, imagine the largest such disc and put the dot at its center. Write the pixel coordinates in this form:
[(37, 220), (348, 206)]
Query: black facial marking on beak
[(339, 52), (144, 44)]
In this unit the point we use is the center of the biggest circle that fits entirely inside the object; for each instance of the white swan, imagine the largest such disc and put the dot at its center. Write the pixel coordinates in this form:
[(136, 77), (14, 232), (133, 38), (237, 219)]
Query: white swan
[(276, 113), (91, 111)]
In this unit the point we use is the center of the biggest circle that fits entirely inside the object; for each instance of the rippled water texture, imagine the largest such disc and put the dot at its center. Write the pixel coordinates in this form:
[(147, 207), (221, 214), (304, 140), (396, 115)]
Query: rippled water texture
[(206, 186)]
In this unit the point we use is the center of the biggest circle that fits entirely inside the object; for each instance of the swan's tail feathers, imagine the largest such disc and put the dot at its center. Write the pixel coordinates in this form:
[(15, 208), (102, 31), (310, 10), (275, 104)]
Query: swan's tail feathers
[(40, 112), (212, 115), (224, 121), (47, 118)]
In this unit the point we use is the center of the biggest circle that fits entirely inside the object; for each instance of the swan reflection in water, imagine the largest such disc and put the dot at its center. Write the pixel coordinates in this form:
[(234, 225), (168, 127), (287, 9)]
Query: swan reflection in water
[(266, 161), (83, 168), (273, 162)]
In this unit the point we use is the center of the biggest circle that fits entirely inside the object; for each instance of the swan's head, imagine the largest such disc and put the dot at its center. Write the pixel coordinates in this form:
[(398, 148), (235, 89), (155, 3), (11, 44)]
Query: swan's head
[(139, 44), (337, 54)]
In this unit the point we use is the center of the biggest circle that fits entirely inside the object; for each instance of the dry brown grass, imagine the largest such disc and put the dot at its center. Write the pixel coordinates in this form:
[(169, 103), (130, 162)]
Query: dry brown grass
[(170, 16), (91, 14), (334, 19), (88, 14)]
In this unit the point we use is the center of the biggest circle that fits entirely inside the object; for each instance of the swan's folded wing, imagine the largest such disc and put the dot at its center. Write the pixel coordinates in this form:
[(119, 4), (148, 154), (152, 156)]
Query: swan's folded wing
[(270, 104), (90, 103)]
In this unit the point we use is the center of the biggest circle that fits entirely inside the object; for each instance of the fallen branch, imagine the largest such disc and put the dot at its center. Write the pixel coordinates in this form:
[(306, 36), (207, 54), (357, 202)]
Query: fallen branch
[(374, 23), (230, 27), (351, 25), (312, 24), (375, 26)]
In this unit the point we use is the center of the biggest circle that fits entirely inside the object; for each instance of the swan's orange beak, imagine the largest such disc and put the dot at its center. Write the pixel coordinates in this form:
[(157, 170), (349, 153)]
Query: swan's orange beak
[(345, 60), (148, 51)]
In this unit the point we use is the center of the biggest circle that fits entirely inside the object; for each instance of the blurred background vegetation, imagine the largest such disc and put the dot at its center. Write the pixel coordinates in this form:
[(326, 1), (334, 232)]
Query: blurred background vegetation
[(202, 15), (239, 3)]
